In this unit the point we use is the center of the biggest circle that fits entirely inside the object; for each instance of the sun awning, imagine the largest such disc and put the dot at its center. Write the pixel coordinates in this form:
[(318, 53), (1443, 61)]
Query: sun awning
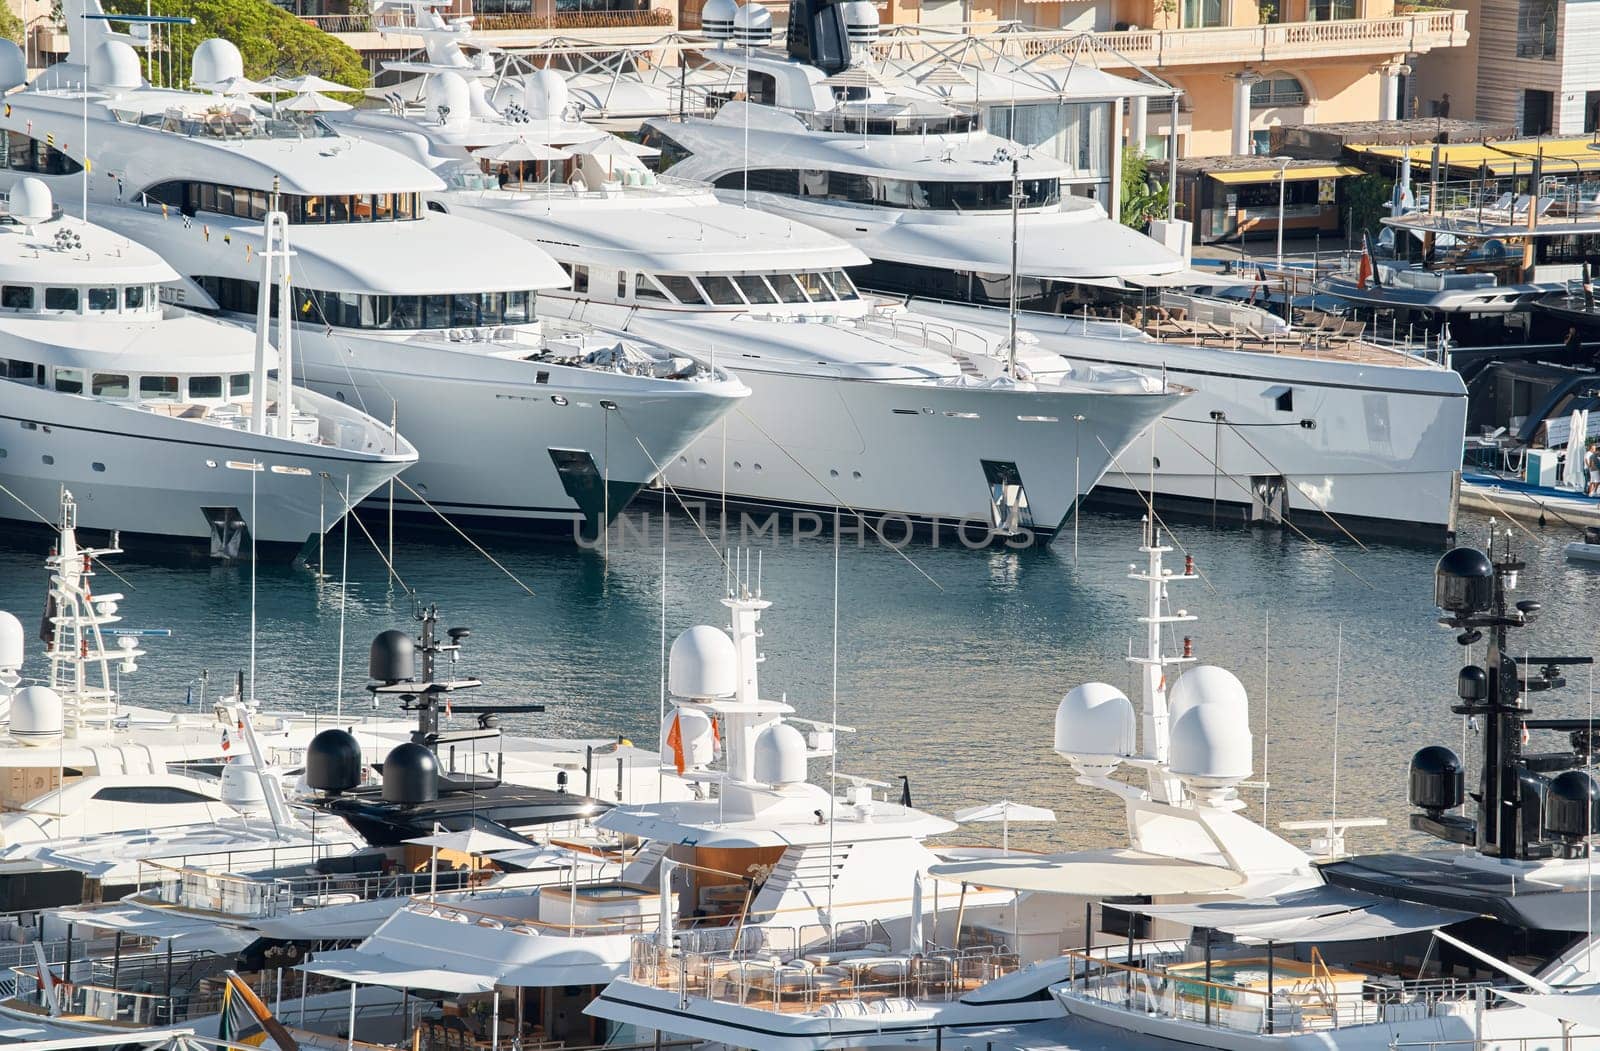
[(1324, 914), (366, 968), (1091, 873), (184, 932), (1321, 171), (1184, 279), (1581, 1008)]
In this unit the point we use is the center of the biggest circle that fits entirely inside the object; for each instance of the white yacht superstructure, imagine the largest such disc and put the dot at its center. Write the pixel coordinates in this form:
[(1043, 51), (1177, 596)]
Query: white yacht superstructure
[(90, 353), (855, 403), (417, 317), (1278, 428)]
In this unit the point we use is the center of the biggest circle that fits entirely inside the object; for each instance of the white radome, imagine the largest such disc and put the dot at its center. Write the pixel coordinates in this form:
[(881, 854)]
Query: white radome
[(861, 21), (449, 98), (36, 716), (694, 730), (717, 17), (242, 786), (1212, 747), (545, 95), (703, 664), (31, 201), (752, 25), (780, 756), (12, 643), (1208, 683), (13, 66), (116, 66), (1095, 727), (215, 60)]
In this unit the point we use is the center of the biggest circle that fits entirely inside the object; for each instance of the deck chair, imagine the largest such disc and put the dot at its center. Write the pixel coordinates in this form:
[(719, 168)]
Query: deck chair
[(1352, 329)]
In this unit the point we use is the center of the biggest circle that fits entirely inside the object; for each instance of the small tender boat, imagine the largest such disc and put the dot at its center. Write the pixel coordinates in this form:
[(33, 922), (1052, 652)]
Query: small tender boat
[(1587, 549)]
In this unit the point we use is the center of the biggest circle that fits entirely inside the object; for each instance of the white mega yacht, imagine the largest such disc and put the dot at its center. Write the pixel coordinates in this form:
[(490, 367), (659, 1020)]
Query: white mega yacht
[(1278, 428), (418, 317), (146, 412), (854, 403)]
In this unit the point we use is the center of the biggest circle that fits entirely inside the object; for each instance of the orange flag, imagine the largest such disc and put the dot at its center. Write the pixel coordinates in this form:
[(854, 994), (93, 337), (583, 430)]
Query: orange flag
[(675, 741)]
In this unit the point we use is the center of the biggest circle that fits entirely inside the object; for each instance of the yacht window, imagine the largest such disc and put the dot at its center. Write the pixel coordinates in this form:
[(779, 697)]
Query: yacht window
[(133, 297), (205, 387), (645, 287), (377, 312), (61, 299), (225, 199), (361, 208), (69, 381), (435, 206), (405, 206), (337, 209), (25, 154), (205, 198), (20, 370), (787, 288), (841, 284), (16, 297), (622, 284), (407, 312), (435, 311), (720, 290), (102, 299), (383, 207), (682, 288), (148, 795), (239, 384), (755, 289), (815, 287), (110, 385), (519, 308), (158, 388), (580, 278)]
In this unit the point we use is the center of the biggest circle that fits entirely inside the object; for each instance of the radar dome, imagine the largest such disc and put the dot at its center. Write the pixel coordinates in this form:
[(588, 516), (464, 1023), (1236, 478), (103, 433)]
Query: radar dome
[(36, 717), (242, 785), (116, 66), (448, 97), (333, 762), (410, 775), (703, 664), (780, 756), (392, 657), (215, 60), (1211, 747), (1463, 581), (752, 25), (1572, 806), (545, 95), (13, 67), (1095, 728), (860, 22), (716, 19), (12, 638), (31, 201), (695, 735), (1437, 781)]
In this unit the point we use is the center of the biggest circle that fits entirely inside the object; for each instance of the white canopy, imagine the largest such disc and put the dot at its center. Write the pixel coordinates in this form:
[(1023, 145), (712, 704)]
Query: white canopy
[(186, 932), (522, 150), (1581, 1008), (311, 102), (612, 146), (471, 841), (1185, 279), (237, 86), (368, 968), (1326, 914), (1005, 810), (300, 84), (1092, 873)]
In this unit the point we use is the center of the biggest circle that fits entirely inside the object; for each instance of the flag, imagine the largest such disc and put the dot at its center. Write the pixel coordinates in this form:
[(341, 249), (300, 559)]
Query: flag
[(49, 138), (675, 741), (227, 742), (1364, 272), (206, 229)]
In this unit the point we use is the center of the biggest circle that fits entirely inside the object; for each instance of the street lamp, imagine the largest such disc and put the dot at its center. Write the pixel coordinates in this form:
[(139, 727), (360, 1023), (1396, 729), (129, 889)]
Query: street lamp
[(1283, 179)]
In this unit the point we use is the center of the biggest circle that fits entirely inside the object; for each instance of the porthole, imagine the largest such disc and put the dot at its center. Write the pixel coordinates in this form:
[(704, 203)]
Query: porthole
[(608, 405), (855, 474), (737, 466), (211, 463), (558, 399), (758, 468), (48, 459), (702, 461), (98, 466), (1155, 461)]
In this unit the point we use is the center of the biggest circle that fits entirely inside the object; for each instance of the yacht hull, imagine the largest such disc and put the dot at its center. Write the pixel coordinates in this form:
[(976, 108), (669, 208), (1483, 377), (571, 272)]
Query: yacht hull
[(152, 475), (1324, 444)]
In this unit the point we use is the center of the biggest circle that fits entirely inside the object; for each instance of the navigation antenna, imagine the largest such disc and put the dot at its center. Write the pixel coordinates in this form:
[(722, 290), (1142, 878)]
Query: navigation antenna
[(1155, 731)]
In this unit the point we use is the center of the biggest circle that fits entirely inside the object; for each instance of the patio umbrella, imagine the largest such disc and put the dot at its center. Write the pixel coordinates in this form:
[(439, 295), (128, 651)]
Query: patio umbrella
[(301, 84), (861, 77), (948, 74), (474, 841), (236, 86), (611, 146), (311, 102), (1005, 812), (522, 150)]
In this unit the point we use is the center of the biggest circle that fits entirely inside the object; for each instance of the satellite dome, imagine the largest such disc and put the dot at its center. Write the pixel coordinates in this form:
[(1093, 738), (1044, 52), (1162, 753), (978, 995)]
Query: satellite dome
[(333, 762), (116, 66), (449, 100), (12, 637), (695, 735), (410, 775), (703, 664), (1572, 805), (780, 756), (36, 716), (1472, 683), (545, 95), (1463, 581), (31, 201), (242, 786), (860, 22), (716, 19), (215, 60), (13, 67), (1437, 780), (392, 658), (1095, 728), (752, 25), (1212, 749)]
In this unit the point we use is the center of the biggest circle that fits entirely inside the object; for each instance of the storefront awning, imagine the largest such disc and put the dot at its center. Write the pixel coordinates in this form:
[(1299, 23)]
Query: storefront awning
[(1320, 171), (367, 968), (1322, 914), (1092, 873)]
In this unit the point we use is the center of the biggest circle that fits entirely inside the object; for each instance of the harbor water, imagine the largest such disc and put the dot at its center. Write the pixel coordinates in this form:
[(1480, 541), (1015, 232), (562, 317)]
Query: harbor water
[(950, 661)]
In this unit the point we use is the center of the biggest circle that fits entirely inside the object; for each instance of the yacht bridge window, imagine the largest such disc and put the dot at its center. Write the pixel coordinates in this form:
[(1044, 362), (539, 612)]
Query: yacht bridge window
[(739, 290), (192, 197), (21, 153), (389, 313), (885, 192), (97, 299)]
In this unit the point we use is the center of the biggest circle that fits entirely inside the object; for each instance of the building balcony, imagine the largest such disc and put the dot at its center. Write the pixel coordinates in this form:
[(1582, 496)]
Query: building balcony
[(1354, 37)]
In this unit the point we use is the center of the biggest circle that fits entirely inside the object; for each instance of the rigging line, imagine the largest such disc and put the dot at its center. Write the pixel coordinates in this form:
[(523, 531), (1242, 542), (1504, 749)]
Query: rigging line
[(839, 501), (97, 561), (1338, 676), (395, 573), (726, 568), (1301, 533), (475, 546), (1320, 506), (344, 593), (1150, 509), (1510, 517), (1209, 423)]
